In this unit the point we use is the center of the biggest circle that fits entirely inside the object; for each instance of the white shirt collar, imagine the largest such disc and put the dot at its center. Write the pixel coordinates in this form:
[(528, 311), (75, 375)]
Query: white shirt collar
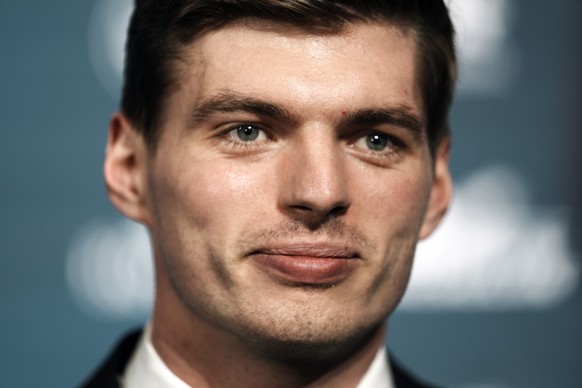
[(379, 373), (147, 370)]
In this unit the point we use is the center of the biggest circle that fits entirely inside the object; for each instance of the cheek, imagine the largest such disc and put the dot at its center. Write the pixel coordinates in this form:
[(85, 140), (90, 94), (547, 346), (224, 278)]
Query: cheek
[(214, 194), (394, 205)]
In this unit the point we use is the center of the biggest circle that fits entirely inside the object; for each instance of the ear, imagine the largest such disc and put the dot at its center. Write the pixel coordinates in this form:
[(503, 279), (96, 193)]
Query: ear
[(441, 191), (125, 169)]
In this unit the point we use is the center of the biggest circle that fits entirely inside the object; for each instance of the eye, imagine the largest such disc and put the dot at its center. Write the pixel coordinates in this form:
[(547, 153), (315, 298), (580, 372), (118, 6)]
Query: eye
[(375, 141), (248, 133), (244, 138), (383, 149)]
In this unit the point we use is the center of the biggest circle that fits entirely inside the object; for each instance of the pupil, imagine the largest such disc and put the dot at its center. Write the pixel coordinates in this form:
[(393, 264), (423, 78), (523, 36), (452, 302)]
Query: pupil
[(376, 142), (247, 132)]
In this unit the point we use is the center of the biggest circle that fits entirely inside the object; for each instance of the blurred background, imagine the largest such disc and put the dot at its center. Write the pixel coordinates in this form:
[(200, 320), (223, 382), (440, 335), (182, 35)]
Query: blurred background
[(495, 298)]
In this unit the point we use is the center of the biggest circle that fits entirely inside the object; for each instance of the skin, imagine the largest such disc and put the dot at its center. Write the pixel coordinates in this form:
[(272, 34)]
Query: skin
[(307, 179)]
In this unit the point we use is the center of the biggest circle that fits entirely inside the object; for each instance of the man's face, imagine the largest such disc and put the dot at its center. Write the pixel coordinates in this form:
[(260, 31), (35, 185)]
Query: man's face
[(291, 179)]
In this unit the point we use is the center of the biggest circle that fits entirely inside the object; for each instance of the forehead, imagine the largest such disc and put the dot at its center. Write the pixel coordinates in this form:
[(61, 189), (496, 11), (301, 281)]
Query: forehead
[(367, 64)]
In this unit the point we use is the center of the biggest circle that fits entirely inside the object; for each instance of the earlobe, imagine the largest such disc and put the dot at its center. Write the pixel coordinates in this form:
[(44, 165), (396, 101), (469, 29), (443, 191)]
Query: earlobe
[(441, 192), (125, 169)]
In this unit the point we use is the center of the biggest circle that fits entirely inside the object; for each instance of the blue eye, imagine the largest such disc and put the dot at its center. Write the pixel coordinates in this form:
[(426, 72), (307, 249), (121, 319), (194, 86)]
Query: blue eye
[(247, 132), (245, 135), (377, 142)]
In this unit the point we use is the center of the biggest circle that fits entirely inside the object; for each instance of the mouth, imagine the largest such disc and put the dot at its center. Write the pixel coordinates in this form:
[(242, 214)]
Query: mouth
[(307, 265)]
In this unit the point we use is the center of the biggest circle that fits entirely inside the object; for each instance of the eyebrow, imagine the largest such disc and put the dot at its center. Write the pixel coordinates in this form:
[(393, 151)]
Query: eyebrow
[(229, 101), (399, 116), (232, 102)]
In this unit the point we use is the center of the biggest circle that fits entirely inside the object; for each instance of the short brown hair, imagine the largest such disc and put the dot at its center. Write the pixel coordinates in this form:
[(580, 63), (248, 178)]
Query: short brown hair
[(159, 29)]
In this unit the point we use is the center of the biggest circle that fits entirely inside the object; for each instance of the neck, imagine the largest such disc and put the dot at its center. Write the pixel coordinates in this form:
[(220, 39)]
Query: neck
[(204, 355)]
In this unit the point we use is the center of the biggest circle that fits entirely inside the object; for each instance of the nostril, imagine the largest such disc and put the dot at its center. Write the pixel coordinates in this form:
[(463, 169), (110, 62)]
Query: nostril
[(317, 215), (303, 208), (337, 211)]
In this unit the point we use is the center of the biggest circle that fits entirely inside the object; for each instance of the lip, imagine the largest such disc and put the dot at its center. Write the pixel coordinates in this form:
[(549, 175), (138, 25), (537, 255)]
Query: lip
[(317, 265)]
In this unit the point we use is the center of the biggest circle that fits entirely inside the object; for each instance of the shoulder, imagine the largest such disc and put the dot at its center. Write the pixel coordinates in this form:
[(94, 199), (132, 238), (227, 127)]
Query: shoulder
[(108, 373)]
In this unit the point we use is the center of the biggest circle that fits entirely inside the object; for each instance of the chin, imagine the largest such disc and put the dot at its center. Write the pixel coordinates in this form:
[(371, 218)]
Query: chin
[(312, 342)]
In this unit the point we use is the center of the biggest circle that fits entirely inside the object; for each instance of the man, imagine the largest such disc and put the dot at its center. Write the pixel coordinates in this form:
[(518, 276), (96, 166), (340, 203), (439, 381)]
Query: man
[(286, 157)]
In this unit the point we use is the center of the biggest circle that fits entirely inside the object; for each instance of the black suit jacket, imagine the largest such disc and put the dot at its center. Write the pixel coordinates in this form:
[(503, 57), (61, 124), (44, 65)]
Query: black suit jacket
[(107, 376)]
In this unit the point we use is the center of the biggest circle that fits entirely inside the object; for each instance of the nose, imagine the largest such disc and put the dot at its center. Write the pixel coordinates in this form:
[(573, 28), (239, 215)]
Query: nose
[(314, 185)]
